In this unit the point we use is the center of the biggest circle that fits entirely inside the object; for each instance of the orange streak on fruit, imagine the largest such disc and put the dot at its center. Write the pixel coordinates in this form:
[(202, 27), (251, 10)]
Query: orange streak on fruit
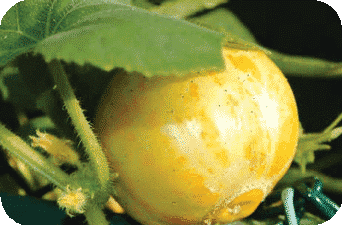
[(240, 207), (194, 90)]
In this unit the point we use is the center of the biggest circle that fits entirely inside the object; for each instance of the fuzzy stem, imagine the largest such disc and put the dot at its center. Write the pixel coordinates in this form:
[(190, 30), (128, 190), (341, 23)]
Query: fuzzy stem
[(29, 156), (90, 142), (95, 216)]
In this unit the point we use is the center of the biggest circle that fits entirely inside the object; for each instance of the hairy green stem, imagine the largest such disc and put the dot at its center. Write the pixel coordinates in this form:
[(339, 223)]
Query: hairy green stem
[(29, 156), (95, 216), (90, 142)]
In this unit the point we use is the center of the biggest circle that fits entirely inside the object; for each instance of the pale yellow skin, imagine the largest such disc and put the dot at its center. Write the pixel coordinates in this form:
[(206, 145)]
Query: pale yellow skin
[(201, 149)]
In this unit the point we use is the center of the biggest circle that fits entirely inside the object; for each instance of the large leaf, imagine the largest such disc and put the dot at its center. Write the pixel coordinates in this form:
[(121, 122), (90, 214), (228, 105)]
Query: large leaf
[(109, 34)]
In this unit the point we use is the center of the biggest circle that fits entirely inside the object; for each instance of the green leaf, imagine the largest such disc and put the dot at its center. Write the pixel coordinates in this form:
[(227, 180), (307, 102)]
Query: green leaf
[(109, 34)]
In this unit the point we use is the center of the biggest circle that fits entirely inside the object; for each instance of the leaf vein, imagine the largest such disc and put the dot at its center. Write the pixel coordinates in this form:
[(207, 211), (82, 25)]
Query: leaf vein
[(17, 12)]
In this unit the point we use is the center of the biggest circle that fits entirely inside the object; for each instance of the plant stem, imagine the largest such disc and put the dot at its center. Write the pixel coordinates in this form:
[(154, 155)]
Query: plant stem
[(95, 216), (29, 156), (292, 65), (333, 124), (91, 144)]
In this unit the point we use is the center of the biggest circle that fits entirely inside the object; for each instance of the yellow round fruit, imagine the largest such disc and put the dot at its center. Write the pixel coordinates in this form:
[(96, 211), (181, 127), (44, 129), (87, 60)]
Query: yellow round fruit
[(204, 148)]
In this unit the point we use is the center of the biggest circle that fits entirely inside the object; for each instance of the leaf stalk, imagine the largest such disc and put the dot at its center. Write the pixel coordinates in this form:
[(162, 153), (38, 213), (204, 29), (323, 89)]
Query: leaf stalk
[(83, 128)]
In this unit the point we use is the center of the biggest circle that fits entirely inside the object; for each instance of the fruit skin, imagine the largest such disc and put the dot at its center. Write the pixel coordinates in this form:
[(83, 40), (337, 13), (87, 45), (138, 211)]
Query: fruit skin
[(204, 148)]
